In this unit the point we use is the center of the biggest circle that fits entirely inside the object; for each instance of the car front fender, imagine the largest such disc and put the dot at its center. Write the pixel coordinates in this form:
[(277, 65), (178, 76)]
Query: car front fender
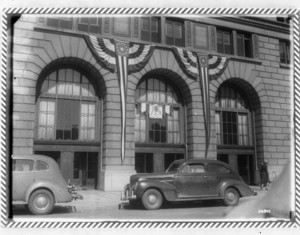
[(59, 192), (167, 189), (243, 188)]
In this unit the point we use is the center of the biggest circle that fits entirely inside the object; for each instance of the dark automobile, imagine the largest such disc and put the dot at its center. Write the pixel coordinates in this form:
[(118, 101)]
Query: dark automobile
[(39, 184), (187, 180)]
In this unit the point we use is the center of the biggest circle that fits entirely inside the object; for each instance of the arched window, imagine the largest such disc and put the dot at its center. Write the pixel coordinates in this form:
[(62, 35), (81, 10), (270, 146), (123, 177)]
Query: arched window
[(67, 108), (158, 113), (233, 118)]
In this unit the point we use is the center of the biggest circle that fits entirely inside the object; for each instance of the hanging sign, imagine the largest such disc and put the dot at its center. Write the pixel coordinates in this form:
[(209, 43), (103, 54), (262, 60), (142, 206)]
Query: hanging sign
[(155, 111)]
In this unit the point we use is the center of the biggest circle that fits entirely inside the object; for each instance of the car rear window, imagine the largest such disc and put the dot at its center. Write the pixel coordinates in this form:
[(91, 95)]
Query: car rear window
[(22, 165), (215, 168), (41, 166)]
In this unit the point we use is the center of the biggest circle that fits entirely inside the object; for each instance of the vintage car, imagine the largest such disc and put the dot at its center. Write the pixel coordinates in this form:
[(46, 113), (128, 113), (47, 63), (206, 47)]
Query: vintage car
[(187, 180), (39, 184)]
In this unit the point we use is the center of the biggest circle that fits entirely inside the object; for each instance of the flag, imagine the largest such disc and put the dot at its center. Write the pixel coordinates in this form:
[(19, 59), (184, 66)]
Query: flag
[(122, 52), (204, 83)]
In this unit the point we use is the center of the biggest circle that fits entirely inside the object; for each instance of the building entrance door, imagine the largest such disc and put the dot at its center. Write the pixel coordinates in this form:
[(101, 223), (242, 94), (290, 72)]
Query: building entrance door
[(86, 169), (242, 164)]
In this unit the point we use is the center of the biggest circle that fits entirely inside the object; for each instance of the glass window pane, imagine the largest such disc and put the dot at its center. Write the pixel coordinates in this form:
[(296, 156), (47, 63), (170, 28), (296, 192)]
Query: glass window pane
[(169, 30), (41, 166), (145, 24), (22, 165), (201, 34), (177, 30), (122, 26)]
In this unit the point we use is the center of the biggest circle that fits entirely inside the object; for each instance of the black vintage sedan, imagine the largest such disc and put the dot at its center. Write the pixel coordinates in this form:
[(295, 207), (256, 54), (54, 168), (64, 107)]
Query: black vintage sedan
[(187, 180)]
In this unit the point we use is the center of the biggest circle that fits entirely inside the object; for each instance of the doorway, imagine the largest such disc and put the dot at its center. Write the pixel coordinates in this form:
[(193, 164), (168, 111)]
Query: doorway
[(86, 169), (243, 164)]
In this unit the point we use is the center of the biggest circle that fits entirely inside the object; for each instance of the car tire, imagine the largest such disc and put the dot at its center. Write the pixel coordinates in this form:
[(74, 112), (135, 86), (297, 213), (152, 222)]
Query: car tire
[(231, 197), (152, 199), (41, 202)]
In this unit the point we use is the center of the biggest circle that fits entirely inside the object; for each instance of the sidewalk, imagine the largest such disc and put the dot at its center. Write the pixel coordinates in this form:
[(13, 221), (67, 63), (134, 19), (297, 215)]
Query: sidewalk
[(96, 199)]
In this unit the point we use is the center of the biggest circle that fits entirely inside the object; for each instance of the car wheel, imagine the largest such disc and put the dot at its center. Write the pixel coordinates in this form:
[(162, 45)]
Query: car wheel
[(41, 202), (231, 197), (152, 199)]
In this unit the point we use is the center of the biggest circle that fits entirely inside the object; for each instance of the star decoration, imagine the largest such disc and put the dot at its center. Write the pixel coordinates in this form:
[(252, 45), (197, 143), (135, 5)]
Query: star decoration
[(203, 60), (122, 48)]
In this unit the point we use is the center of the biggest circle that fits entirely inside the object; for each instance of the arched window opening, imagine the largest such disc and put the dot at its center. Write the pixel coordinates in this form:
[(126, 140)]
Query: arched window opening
[(158, 113), (67, 108), (233, 118)]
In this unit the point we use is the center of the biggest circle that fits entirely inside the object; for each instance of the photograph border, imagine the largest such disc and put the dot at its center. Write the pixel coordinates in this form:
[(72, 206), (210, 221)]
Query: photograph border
[(4, 131)]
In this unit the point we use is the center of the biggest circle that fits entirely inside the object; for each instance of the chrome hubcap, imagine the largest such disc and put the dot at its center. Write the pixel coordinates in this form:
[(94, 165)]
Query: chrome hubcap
[(41, 202), (231, 196), (152, 198)]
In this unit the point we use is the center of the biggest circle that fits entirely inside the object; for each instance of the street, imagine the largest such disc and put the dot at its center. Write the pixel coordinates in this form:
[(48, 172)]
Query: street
[(105, 206)]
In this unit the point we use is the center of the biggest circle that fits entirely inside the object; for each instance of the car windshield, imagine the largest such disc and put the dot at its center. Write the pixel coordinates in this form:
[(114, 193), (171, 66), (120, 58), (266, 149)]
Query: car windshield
[(173, 168)]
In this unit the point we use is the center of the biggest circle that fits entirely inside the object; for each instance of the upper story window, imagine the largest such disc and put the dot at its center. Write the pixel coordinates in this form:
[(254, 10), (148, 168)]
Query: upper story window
[(67, 108), (122, 26), (174, 33), (283, 19), (244, 44), (61, 22), (233, 118), (158, 114), (90, 24), (201, 36), (284, 50), (233, 42), (224, 41), (151, 29)]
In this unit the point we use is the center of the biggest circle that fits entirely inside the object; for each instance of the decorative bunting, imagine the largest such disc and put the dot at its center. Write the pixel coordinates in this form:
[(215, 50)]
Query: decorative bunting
[(187, 61), (139, 55), (204, 67), (217, 65), (103, 51), (132, 57), (124, 58)]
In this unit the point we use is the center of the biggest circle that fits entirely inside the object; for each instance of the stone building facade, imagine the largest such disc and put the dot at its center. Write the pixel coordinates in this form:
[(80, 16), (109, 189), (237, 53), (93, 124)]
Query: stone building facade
[(66, 105)]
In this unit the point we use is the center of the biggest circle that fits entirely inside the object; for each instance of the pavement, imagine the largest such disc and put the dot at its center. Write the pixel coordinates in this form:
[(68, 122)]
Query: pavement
[(96, 199)]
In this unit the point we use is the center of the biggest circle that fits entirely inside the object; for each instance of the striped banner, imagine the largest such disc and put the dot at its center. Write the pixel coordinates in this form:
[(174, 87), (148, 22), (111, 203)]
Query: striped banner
[(125, 58), (122, 52), (204, 83), (108, 224)]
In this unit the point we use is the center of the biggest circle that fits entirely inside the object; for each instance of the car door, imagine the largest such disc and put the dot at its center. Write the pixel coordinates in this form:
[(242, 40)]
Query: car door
[(216, 173), (23, 177), (191, 181)]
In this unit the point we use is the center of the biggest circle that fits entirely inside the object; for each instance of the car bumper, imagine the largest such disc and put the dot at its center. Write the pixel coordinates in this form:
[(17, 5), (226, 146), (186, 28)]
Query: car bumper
[(128, 194), (73, 191)]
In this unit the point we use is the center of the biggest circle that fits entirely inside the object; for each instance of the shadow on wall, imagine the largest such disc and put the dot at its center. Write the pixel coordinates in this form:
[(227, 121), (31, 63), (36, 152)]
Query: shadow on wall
[(275, 203)]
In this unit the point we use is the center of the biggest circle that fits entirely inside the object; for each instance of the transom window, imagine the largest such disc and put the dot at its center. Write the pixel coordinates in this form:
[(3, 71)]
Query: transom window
[(233, 118), (157, 113), (67, 107)]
